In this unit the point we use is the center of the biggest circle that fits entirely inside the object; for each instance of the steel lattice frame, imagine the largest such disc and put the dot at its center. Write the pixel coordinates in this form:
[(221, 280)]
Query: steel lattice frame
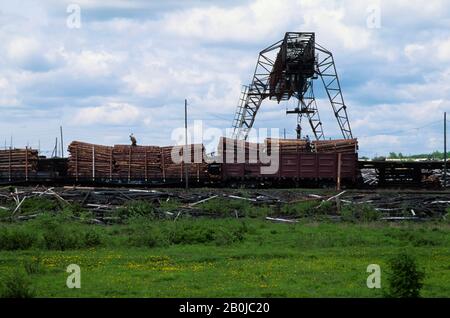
[(253, 95)]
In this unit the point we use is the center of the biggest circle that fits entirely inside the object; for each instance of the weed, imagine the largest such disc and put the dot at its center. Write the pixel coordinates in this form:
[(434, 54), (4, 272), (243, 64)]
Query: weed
[(136, 209), (33, 265), (359, 212), (16, 238), (16, 285), (39, 204)]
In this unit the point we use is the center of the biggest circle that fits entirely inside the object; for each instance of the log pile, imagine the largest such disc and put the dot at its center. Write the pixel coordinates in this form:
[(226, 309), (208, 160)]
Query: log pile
[(125, 162), (136, 162), (338, 145), (322, 146), (172, 156), (232, 150), (18, 162), (90, 160), (229, 149)]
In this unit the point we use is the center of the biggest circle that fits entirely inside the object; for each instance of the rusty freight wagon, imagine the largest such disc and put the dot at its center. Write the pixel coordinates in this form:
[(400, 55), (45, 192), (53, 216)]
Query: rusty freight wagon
[(287, 162)]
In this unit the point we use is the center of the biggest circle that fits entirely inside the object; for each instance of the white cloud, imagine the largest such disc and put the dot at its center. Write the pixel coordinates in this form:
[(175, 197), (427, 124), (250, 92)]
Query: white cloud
[(112, 113)]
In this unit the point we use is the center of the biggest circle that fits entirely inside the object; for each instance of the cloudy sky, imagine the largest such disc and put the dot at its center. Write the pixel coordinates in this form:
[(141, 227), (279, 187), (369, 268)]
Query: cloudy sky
[(130, 64)]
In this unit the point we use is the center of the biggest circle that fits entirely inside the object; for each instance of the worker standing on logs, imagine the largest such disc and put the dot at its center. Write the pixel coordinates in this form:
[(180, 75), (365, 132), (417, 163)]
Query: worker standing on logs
[(308, 144), (133, 140), (299, 131)]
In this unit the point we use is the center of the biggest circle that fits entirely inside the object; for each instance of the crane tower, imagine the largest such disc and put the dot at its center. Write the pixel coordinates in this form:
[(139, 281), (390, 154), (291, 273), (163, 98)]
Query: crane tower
[(288, 69)]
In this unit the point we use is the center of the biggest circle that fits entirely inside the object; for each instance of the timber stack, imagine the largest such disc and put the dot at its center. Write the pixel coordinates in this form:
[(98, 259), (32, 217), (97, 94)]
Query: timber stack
[(319, 146), (232, 149), (125, 162), (18, 163)]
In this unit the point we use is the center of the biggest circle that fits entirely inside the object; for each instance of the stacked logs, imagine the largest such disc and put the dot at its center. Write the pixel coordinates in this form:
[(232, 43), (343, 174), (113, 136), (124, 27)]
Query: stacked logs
[(90, 160), (18, 163), (338, 145), (125, 162), (136, 162), (322, 146), (233, 150), (174, 168)]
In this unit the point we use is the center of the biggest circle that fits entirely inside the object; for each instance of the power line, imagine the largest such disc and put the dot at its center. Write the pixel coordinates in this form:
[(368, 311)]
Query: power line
[(396, 133)]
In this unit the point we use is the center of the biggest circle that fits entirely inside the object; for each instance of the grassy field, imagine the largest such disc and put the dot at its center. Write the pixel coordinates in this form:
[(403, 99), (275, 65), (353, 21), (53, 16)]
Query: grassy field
[(224, 257)]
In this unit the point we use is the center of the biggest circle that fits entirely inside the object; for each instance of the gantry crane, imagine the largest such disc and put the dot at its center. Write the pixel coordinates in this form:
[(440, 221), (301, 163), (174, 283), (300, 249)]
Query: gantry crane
[(289, 69)]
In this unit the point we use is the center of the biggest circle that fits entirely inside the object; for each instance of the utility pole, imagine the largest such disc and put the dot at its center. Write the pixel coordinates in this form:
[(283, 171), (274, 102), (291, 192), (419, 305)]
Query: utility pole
[(62, 142), (284, 133), (445, 150), (186, 145)]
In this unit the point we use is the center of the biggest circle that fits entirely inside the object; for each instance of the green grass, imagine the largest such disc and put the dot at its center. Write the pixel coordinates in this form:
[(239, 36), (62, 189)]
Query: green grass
[(220, 258)]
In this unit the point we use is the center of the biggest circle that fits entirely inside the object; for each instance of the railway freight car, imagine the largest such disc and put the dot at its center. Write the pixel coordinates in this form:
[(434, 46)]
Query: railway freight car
[(286, 162)]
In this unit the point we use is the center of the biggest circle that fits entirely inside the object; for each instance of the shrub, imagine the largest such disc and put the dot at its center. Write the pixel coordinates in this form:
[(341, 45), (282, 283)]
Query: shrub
[(39, 204), (359, 212), (301, 209), (135, 209), (190, 233), (33, 265), (57, 236), (405, 279), (16, 285), (147, 236), (92, 238), (16, 239), (226, 237)]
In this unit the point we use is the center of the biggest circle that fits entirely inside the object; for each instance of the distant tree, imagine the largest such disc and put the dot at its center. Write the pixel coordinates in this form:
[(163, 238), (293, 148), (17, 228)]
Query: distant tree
[(393, 155)]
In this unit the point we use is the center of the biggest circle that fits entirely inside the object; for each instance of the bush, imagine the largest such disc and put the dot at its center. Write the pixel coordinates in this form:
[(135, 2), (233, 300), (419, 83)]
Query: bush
[(146, 235), (190, 233), (16, 239), (39, 204), (135, 209), (16, 285), (92, 238), (226, 237), (404, 279), (301, 209), (57, 236), (359, 212), (33, 265)]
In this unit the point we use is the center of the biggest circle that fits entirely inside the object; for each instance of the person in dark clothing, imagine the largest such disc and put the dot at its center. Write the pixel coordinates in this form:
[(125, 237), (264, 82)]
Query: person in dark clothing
[(133, 140)]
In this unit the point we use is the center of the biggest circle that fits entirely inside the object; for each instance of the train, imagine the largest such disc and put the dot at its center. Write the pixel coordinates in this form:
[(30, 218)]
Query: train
[(294, 163)]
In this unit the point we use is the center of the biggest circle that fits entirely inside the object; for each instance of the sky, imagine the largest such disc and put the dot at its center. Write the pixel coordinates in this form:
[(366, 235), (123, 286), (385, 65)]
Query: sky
[(105, 69)]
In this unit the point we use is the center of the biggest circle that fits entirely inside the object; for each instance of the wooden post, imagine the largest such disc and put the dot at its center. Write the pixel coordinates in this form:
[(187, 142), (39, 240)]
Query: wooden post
[(62, 142), (338, 179), (110, 163), (445, 150), (186, 143), (146, 175), (198, 172), (93, 163), (129, 164), (163, 165), (10, 164), (76, 162), (26, 163)]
